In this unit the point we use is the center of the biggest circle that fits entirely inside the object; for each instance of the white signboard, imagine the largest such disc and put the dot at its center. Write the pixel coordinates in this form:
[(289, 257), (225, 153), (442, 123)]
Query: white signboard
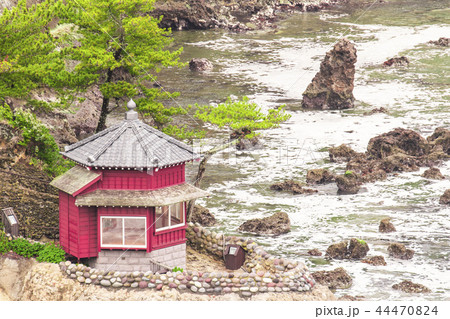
[(233, 250), (12, 220)]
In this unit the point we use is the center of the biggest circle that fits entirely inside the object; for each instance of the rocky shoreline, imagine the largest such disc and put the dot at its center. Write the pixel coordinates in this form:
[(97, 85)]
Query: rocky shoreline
[(234, 15)]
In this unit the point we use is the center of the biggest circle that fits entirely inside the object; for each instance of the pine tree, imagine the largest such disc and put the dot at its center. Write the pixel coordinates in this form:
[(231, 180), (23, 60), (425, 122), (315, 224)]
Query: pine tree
[(29, 53), (120, 48)]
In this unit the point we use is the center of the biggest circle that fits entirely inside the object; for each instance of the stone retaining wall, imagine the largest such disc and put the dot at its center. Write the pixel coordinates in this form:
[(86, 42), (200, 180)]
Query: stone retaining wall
[(265, 273)]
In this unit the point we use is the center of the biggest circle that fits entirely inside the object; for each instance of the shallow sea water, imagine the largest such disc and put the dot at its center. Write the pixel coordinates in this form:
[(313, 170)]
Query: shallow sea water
[(274, 67)]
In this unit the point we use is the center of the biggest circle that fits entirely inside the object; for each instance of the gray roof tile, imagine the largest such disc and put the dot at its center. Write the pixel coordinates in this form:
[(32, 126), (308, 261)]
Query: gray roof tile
[(130, 144)]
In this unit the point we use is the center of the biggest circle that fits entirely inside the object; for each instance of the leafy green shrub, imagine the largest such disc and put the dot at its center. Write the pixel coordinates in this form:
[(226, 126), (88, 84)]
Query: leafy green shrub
[(175, 269), (37, 139), (4, 243), (24, 248), (51, 254)]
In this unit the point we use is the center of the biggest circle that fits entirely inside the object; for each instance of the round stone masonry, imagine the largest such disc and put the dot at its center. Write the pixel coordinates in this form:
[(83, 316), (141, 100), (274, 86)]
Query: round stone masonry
[(264, 272)]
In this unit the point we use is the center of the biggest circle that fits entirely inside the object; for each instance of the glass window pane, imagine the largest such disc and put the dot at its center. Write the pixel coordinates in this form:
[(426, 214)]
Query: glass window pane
[(135, 231), (161, 217), (177, 213), (112, 231)]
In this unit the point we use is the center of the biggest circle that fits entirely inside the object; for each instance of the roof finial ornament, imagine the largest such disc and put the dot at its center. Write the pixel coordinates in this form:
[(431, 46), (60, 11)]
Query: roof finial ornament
[(131, 114)]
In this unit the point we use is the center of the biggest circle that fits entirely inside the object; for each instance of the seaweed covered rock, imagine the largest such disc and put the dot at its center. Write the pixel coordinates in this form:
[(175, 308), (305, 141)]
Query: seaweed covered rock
[(342, 153), (410, 287), (337, 251), (292, 186), (375, 261), (397, 61), (443, 42), (354, 249), (276, 224), (314, 252), (332, 86), (357, 249), (319, 176), (200, 65), (398, 250), (440, 141), (334, 279), (386, 226), (445, 198), (433, 173), (349, 183), (398, 141), (203, 216)]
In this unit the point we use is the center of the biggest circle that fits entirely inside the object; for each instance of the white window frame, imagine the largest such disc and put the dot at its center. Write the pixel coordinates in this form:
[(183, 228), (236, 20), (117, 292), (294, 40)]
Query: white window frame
[(123, 232), (170, 219)]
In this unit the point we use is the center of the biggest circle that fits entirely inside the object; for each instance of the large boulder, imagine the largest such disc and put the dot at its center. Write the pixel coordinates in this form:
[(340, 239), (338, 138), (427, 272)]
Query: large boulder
[(292, 186), (203, 216), (332, 87), (398, 141), (445, 198), (334, 279), (398, 250), (276, 224), (319, 176)]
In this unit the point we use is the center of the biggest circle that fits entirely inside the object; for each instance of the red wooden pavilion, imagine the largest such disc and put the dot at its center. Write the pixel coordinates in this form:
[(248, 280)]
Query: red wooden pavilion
[(123, 206)]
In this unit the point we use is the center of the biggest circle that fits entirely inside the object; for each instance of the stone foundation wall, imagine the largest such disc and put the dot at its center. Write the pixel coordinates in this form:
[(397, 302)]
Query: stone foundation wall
[(138, 260), (265, 273)]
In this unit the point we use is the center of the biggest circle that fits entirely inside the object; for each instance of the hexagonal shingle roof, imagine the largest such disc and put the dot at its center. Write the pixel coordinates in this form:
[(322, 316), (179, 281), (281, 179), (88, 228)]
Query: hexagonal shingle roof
[(130, 144)]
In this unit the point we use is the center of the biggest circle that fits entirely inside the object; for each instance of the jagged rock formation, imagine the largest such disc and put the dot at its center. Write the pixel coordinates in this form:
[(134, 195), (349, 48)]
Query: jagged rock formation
[(332, 87), (400, 150), (319, 176), (276, 224), (356, 249), (234, 15), (334, 279)]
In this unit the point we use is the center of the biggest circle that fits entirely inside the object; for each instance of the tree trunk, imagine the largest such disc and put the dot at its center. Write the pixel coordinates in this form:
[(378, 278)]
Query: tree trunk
[(103, 114), (201, 172), (105, 104)]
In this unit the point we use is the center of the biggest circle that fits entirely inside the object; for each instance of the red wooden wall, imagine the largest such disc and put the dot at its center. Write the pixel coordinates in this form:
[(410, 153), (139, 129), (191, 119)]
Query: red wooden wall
[(79, 226), (87, 237), (132, 179)]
